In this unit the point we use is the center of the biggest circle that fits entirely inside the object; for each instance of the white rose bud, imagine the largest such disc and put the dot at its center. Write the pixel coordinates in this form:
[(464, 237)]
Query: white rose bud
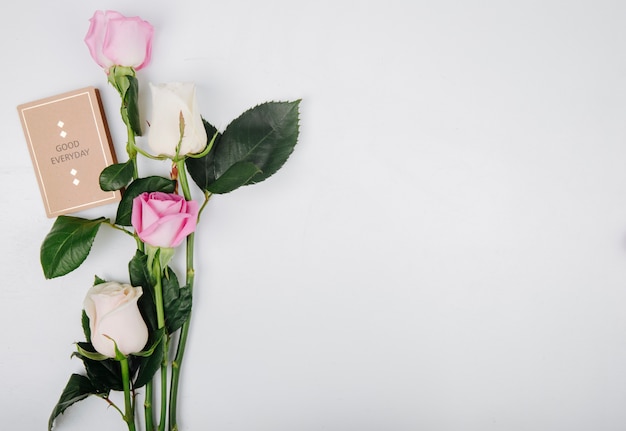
[(168, 102), (114, 315)]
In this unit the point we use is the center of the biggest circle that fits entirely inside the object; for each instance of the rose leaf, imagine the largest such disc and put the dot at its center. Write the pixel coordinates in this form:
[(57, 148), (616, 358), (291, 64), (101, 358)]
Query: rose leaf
[(202, 169), (116, 176), (236, 176), (263, 136), (140, 276), (78, 388), (176, 302), (148, 365), (68, 244), (105, 374), (131, 101)]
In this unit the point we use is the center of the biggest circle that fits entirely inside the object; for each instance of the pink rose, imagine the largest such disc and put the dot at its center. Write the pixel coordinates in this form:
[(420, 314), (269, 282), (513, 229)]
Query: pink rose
[(163, 219), (114, 316), (115, 40)]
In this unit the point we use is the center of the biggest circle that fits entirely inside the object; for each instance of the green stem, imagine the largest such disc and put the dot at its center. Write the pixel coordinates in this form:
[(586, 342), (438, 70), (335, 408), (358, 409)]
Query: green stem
[(119, 77), (114, 226), (184, 332), (163, 418), (207, 196), (131, 149), (158, 293), (112, 404), (182, 342), (129, 411), (147, 406), (148, 155), (182, 177)]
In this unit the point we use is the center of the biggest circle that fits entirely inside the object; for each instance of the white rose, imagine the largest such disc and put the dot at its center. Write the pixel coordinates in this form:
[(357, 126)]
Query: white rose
[(168, 101), (114, 315)]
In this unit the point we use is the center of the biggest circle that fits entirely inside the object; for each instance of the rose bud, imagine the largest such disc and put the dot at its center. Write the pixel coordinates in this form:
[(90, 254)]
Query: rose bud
[(163, 219), (114, 316), (169, 101), (115, 40)]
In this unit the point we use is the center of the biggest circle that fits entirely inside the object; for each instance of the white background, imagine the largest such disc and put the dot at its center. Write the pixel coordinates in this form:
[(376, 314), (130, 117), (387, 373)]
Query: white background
[(445, 250)]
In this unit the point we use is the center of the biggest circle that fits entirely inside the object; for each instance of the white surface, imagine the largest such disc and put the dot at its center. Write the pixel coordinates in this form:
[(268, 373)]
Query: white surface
[(445, 250)]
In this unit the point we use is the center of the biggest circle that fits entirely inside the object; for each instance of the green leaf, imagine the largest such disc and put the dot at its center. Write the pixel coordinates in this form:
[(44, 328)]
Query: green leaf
[(105, 375), (78, 388), (176, 302), (263, 136), (124, 80), (131, 103), (68, 244), (116, 176), (137, 187), (86, 328), (178, 311), (149, 364), (236, 176), (202, 169), (140, 276)]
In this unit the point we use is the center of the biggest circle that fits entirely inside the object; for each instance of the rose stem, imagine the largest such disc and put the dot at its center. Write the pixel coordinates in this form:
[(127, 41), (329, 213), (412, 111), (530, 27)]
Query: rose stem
[(158, 293), (131, 147), (184, 331), (131, 150), (129, 413), (147, 405)]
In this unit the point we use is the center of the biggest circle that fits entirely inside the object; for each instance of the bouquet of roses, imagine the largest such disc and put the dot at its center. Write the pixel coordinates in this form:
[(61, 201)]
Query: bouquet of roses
[(131, 326)]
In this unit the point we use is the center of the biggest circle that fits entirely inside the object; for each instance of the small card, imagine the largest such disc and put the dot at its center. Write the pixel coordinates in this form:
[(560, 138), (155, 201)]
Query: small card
[(69, 145)]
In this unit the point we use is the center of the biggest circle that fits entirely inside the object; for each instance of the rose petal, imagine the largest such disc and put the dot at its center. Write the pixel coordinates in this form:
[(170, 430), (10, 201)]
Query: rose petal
[(136, 218), (96, 35), (128, 42)]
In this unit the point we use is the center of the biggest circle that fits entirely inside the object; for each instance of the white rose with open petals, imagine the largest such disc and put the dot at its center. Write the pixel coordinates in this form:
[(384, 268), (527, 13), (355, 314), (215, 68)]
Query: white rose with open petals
[(168, 102), (114, 315)]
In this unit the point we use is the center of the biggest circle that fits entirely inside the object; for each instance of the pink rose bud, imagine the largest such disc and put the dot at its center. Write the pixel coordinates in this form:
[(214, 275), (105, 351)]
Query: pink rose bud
[(163, 219), (115, 40), (114, 317)]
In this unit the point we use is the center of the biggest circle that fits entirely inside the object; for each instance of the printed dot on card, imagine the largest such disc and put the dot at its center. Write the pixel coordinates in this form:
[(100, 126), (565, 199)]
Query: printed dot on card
[(73, 172), (75, 182), (60, 124)]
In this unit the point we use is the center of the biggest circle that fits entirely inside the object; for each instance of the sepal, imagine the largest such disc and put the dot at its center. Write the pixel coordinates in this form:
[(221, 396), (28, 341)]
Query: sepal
[(163, 254), (94, 356), (159, 334)]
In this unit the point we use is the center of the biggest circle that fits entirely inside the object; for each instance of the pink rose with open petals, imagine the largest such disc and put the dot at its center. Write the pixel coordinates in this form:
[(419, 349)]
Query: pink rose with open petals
[(163, 219), (115, 40)]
